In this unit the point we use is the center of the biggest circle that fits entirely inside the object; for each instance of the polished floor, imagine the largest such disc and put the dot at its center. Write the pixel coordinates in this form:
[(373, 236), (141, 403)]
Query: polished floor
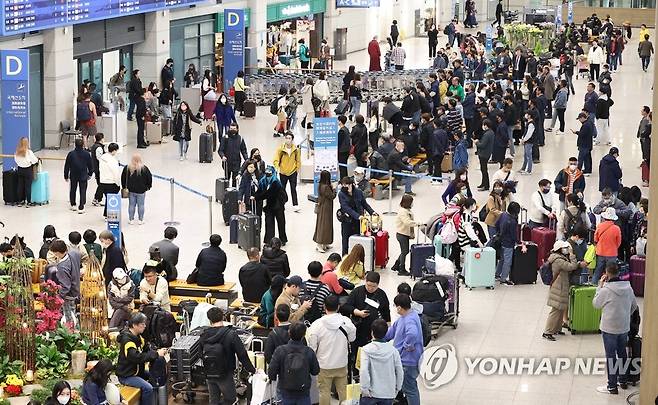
[(507, 321)]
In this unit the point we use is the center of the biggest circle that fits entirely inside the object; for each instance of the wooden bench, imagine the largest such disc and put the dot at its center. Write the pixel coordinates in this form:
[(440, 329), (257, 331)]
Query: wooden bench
[(130, 394), (383, 182), (182, 290)]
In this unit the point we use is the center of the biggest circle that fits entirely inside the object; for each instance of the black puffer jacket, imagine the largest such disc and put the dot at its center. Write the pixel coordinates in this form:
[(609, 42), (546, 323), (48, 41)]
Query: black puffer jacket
[(134, 353), (276, 261), (137, 182)]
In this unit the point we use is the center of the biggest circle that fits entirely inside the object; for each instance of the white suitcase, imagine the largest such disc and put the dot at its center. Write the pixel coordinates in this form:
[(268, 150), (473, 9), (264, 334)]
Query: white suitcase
[(368, 243), (307, 172), (154, 132)]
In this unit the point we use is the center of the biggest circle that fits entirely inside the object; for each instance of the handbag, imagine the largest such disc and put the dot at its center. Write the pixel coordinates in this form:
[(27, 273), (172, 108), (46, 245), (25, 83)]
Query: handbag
[(124, 191), (231, 91), (346, 284), (191, 279), (341, 216)]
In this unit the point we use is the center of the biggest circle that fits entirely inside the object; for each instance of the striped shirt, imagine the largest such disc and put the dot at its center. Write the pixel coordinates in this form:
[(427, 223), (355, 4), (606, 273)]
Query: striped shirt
[(311, 291)]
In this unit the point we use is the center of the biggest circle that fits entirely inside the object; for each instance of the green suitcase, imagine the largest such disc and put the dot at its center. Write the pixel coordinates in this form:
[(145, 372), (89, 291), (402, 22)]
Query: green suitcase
[(583, 317)]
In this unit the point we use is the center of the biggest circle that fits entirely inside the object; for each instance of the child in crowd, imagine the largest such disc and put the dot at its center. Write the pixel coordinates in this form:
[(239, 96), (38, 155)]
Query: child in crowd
[(90, 244)]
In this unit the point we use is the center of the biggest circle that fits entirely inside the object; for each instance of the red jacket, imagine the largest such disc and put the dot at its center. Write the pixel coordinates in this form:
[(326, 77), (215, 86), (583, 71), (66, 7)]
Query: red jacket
[(607, 238)]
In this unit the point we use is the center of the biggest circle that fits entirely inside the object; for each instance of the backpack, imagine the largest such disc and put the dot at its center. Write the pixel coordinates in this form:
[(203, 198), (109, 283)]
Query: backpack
[(314, 313), (446, 30), (305, 52), (546, 273), (161, 327), (427, 289), (449, 231), (274, 106), (573, 222), (82, 112), (214, 357), (426, 329), (296, 370), (136, 275)]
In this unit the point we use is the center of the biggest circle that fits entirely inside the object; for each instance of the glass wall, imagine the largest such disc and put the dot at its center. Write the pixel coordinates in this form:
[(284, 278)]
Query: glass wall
[(192, 42)]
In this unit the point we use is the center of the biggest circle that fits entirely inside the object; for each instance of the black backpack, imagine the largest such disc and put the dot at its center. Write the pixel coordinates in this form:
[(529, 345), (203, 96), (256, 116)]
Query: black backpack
[(296, 370), (214, 357), (426, 329), (426, 289), (573, 222), (161, 327), (274, 106)]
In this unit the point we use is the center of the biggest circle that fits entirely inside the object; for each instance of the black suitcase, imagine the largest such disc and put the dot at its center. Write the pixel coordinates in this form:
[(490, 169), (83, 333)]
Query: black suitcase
[(10, 187), (250, 109), (205, 148), (524, 265), (233, 229), (230, 204), (248, 231), (635, 355), (220, 189)]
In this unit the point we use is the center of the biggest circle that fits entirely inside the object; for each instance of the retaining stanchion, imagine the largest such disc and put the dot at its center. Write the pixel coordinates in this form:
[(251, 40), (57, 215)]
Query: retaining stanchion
[(390, 195), (171, 221), (210, 203)]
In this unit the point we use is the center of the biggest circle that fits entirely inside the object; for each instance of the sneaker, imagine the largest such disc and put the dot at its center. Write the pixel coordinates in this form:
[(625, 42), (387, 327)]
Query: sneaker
[(623, 385), (131, 222), (549, 129), (73, 208), (548, 336), (507, 282), (411, 193), (320, 249), (81, 211), (181, 159), (95, 203), (645, 184), (605, 390), (403, 273), (587, 174), (140, 222), (296, 209)]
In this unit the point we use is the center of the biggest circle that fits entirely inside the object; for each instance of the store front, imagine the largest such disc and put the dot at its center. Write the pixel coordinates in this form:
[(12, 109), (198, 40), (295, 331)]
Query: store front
[(288, 22)]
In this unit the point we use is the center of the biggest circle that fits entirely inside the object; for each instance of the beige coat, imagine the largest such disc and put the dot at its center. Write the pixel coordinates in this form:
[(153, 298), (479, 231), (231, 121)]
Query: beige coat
[(496, 206), (324, 223), (404, 223), (558, 294)]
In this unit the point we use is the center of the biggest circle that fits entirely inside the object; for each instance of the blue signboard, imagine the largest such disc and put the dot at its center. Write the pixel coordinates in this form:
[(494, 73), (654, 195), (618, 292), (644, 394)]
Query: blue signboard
[(15, 101), (113, 203), (356, 3), (325, 133), (19, 16), (488, 44), (558, 16), (570, 13), (233, 45)]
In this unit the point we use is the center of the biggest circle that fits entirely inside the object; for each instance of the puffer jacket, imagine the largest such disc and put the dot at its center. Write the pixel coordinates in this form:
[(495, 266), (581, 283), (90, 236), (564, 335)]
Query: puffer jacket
[(558, 294), (110, 172)]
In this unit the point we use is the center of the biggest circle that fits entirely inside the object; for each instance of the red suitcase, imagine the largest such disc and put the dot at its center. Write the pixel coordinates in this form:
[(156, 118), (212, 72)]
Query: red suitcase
[(637, 264), (637, 282), (544, 238), (645, 171), (381, 249)]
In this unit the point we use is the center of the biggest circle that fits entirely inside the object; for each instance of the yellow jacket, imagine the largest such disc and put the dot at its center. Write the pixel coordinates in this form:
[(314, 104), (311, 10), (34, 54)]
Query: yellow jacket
[(287, 162), (643, 32)]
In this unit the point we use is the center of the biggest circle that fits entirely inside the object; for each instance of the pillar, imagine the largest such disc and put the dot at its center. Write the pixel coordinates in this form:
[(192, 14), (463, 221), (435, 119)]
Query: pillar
[(257, 34), (150, 56), (59, 87), (649, 388)]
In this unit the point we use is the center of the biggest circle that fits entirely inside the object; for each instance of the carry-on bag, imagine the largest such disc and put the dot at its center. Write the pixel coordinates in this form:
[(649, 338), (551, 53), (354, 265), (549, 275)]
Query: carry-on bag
[(10, 187), (583, 317), (381, 248), (205, 147), (368, 243), (154, 132), (419, 252), (524, 270), (250, 109), (233, 229), (41, 188), (479, 267), (446, 163), (637, 268), (249, 229), (544, 237), (230, 204), (221, 184)]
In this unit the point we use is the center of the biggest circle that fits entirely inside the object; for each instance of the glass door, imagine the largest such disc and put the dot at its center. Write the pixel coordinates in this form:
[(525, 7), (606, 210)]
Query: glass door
[(90, 68)]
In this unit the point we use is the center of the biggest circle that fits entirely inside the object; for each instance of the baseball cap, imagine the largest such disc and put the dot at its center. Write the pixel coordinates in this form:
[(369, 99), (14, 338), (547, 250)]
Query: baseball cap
[(582, 115), (295, 280)]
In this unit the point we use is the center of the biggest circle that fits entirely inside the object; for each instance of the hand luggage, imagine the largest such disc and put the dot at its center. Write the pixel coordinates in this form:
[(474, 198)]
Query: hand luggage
[(637, 264), (645, 171), (41, 188), (221, 184), (524, 270), (446, 163), (419, 252), (637, 283), (544, 238), (441, 249), (342, 107), (635, 356), (10, 187), (154, 132), (233, 229), (583, 317), (249, 229), (230, 204), (368, 243), (381, 248), (479, 267), (250, 109), (205, 148), (166, 126)]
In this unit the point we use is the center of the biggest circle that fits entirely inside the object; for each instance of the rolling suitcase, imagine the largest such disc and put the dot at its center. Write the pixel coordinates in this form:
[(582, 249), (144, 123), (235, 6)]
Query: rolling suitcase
[(583, 317), (645, 171), (205, 148), (524, 229), (544, 238), (230, 204), (154, 132), (221, 184), (368, 243), (479, 267), (10, 187), (419, 252), (440, 249), (233, 229), (381, 249), (41, 188), (524, 270), (637, 268), (249, 229), (250, 109), (634, 355)]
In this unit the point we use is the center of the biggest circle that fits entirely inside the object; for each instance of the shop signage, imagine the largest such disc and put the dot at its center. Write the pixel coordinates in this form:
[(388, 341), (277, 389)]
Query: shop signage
[(15, 92), (357, 3), (233, 45), (113, 203), (325, 131), (293, 9), (297, 9), (570, 13)]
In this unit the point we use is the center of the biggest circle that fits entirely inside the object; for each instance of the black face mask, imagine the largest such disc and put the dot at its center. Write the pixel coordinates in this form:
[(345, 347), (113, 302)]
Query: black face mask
[(257, 158), (232, 132)]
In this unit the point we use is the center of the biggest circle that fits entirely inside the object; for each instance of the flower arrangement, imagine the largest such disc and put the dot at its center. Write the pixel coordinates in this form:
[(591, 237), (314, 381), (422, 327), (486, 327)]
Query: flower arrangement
[(13, 385), (51, 313), (535, 37)]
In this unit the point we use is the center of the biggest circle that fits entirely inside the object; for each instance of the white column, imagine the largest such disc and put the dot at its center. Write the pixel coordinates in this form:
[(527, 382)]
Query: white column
[(59, 86), (150, 55), (258, 27)]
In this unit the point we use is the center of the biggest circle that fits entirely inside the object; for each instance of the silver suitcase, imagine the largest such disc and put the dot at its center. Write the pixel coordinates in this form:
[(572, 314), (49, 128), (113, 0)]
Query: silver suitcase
[(368, 243)]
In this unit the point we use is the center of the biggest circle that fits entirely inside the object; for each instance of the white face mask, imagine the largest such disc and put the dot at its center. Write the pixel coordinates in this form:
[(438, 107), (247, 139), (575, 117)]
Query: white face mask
[(63, 399)]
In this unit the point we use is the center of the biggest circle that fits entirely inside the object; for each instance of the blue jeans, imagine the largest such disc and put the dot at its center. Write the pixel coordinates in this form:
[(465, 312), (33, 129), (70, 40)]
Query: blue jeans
[(510, 133), (505, 264), (410, 385), (601, 262), (356, 106), (136, 199), (613, 61), (407, 181), (131, 108), (645, 62), (375, 401), (527, 157), (182, 147), (491, 230), (296, 401), (144, 386), (585, 160), (615, 351), (592, 120)]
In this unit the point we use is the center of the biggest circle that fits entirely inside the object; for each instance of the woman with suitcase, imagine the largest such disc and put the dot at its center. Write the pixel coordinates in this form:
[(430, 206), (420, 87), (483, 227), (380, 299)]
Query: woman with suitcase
[(405, 230), (239, 89), (183, 129), (25, 159), (274, 195)]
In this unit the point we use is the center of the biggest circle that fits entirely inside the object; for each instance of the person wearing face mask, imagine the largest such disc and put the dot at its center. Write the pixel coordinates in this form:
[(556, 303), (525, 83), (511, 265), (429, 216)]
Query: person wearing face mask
[(468, 233), (224, 115), (109, 172), (112, 255), (61, 394), (507, 229), (352, 206), (248, 185), (541, 205), (456, 185), (121, 294), (569, 180), (596, 58), (397, 162), (182, 129), (167, 73), (191, 76), (232, 150), (485, 147), (607, 238), (496, 204), (573, 217), (274, 196), (562, 262), (288, 161)]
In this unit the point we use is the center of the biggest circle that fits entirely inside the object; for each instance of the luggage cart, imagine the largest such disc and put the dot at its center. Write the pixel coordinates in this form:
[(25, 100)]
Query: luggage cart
[(451, 317)]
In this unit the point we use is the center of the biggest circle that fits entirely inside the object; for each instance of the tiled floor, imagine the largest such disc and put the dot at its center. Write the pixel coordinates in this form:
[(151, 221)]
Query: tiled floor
[(505, 321)]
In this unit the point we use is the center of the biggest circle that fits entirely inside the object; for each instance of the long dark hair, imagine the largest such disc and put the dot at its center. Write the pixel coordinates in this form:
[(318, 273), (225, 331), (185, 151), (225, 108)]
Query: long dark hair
[(100, 373), (57, 389), (276, 288), (325, 177)]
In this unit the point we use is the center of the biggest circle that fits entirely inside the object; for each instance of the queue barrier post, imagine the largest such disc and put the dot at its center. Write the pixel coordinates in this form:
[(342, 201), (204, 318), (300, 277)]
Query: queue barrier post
[(210, 204), (171, 221), (390, 211)]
